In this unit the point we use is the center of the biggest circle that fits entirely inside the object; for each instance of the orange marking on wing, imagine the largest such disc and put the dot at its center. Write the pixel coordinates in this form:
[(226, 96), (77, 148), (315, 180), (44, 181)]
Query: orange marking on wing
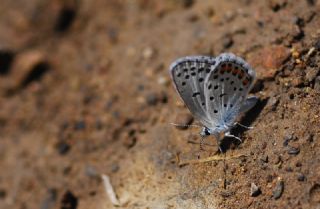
[(241, 74), (245, 82), (235, 71), (229, 68)]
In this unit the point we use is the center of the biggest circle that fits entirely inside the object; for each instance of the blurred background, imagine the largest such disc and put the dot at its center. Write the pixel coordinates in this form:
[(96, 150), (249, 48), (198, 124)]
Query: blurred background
[(85, 92)]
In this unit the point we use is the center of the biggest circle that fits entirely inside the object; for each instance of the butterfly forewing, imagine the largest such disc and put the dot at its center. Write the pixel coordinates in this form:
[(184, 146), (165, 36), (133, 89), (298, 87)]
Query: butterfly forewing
[(226, 89), (189, 75)]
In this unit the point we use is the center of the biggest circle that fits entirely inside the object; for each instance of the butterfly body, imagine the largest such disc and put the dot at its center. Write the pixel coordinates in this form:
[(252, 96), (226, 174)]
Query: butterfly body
[(214, 89)]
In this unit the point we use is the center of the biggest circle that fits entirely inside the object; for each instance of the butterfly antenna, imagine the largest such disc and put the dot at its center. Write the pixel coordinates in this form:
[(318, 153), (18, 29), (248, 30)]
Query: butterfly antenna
[(184, 125)]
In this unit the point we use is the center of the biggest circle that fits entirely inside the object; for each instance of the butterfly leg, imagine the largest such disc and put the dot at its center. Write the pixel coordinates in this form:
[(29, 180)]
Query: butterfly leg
[(227, 134), (239, 124), (220, 149)]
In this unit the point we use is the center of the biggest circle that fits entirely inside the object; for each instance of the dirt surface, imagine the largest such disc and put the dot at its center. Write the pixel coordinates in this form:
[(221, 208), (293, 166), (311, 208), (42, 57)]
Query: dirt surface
[(85, 91)]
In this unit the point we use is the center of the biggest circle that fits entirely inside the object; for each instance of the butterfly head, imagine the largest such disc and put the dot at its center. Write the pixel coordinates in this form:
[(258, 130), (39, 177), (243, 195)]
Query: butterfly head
[(218, 133)]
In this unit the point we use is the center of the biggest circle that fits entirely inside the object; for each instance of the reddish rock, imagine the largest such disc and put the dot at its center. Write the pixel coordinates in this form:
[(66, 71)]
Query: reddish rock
[(268, 60)]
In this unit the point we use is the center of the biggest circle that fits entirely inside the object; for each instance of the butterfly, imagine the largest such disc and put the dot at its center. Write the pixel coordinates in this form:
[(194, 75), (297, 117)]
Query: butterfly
[(215, 90)]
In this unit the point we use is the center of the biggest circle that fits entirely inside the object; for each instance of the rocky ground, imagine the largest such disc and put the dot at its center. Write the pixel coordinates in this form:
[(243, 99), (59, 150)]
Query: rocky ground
[(85, 92)]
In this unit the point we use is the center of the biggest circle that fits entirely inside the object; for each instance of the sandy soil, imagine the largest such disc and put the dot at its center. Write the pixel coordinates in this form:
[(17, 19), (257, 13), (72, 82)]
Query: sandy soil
[(85, 91)]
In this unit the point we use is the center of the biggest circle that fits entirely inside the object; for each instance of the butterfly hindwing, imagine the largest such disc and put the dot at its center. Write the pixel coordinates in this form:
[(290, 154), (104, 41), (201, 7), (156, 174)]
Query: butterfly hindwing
[(189, 75), (226, 89)]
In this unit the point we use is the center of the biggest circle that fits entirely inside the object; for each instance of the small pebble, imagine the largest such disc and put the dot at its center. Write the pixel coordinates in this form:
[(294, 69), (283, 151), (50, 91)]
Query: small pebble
[(129, 142), (183, 120), (264, 145), (148, 53), (264, 159), (227, 42), (288, 169), (187, 3), (98, 124), (162, 80), (287, 138), (273, 103), (317, 84), (309, 138), (193, 18), (50, 200), (293, 150), (113, 34), (275, 5), (254, 190), (301, 177), (297, 33), (80, 125), (317, 45), (297, 21), (6, 59), (311, 74), (210, 12), (63, 148), (152, 99), (297, 81), (278, 190), (226, 194), (69, 201), (2, 193), (91, 171), (163, 97), (298, 164), (115, 168), (311, 2), (277, 159), (269, 178)]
